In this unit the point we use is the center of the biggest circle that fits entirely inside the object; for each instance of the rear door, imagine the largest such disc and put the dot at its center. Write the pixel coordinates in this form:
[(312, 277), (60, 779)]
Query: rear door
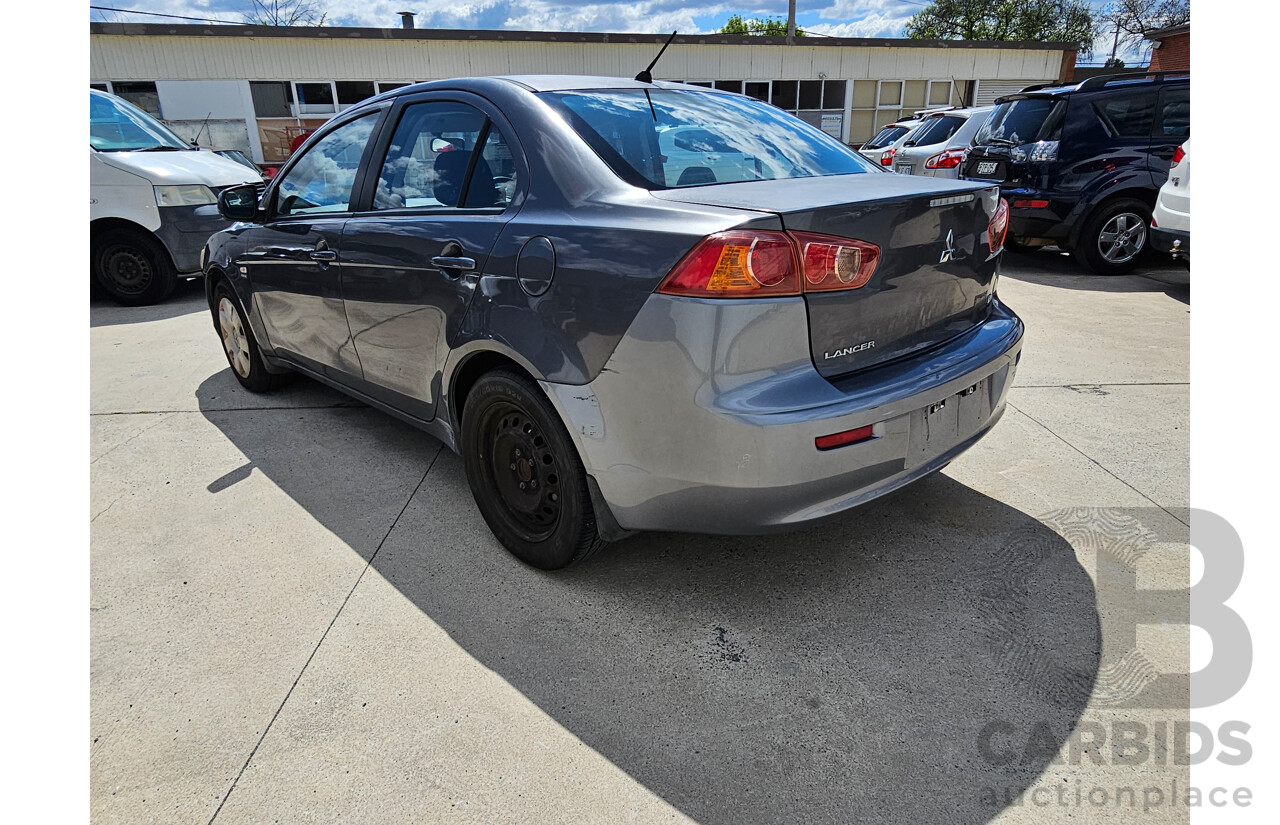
[(446, 178), (291, 259)]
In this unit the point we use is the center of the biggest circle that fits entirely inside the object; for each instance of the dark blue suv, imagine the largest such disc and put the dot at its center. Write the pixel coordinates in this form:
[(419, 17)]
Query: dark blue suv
[(1081, 164)]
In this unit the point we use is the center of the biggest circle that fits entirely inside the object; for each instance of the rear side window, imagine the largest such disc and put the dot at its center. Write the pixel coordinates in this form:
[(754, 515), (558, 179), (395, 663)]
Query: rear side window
[(1019, 122), (1175, 113), (667, 138), (1128, 116), (937, 130)]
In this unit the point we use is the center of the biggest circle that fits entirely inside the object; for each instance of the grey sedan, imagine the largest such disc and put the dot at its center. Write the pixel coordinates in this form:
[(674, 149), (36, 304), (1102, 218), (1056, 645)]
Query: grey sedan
[(610, 342)]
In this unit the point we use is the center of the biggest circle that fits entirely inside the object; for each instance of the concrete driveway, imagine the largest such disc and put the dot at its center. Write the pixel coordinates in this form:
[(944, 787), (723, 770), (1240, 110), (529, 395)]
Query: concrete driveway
[(298, 614)]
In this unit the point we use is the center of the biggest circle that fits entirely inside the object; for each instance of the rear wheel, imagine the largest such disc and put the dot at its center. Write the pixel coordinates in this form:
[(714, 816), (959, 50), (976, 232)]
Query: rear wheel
[(1115, 239), (525, 474), (132, 267)]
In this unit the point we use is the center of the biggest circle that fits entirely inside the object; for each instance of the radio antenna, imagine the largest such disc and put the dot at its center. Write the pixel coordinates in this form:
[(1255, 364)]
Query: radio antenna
[(646, 76)]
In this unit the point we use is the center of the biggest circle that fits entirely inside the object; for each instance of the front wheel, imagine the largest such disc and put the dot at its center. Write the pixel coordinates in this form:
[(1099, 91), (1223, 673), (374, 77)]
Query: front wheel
[(239, 346), (132, 267), (525, 474), (1115, 240)]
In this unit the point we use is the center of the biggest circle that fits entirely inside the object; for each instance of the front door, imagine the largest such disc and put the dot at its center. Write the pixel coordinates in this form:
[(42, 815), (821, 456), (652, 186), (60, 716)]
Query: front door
[(292, 259), (411, 259)]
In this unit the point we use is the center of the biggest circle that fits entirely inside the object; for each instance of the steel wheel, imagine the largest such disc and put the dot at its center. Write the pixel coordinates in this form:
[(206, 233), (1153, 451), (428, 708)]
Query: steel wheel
[(234, 340), (128, 270), (1122, 238), (524, 469)]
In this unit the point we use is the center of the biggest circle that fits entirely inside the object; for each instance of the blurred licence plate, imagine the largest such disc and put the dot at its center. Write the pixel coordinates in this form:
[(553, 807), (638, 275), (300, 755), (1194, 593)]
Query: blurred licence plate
[(941, 426), (904, 170), (987, 168)]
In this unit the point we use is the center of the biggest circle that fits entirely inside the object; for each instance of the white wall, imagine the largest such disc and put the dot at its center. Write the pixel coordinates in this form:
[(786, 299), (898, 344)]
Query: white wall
[(198, 99)]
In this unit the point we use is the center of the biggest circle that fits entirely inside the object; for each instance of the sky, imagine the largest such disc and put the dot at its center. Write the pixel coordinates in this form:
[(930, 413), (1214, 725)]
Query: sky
[(836, 18)]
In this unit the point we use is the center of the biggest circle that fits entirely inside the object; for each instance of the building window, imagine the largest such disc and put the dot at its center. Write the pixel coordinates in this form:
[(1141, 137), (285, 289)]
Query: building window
[(351, 92), (729, 86), (272, 98), (141, 94), (759, 89), (386, 87), (940, 92), (786, 94), (315, 98), (102, 87), (889, 94)]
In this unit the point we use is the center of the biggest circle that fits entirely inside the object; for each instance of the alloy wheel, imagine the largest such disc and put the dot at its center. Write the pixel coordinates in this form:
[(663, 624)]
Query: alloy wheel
[(1122, 238)]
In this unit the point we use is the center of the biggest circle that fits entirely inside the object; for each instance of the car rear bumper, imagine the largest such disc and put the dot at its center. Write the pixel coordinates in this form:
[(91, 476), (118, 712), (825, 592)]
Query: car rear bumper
[(697, 424), (1162, 240)]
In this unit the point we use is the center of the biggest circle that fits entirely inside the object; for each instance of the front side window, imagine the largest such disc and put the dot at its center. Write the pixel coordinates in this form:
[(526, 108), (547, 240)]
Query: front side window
[(322, 179), (667, 138), (116, 125)]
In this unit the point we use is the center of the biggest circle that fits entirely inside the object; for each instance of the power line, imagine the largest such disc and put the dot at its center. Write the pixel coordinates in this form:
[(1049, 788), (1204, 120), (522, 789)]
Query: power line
[(157, 14)]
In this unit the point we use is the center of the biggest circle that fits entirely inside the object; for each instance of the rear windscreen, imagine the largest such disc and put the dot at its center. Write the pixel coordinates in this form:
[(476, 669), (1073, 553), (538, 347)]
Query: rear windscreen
[(667, 138), (887, 135), (1019, 122)]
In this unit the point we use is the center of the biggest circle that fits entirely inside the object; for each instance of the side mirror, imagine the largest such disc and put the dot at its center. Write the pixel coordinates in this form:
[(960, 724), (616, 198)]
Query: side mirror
[(239, 203)]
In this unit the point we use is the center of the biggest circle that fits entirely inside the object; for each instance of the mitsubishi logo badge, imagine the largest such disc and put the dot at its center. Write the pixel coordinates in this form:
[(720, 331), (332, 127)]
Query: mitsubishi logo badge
[(950, 252)]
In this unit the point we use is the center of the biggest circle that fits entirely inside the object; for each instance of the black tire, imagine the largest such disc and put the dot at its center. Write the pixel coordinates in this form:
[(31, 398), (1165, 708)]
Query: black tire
[(132, 267), (1116, 237), (239, 346), (525, 473)]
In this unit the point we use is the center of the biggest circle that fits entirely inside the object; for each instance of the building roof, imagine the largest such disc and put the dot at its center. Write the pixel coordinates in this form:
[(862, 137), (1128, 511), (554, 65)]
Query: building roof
[(503, 35), (1171, 31)]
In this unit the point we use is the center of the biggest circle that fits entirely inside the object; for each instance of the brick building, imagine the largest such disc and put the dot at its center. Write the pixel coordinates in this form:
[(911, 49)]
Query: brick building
[(1170, 48)]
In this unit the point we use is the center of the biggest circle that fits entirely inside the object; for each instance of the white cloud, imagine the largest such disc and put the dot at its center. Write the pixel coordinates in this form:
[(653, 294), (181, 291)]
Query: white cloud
[(876, 25)]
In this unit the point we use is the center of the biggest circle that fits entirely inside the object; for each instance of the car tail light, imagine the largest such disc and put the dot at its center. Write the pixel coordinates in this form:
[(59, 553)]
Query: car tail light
[(835, 263), (886, 157), (747, 264), (949, 159), (1178, 155), (999, 226), (737, 264), (1028, 203)]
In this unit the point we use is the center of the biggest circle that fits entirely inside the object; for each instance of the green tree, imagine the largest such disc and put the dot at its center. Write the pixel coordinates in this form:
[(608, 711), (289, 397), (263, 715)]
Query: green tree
[(767, 27), (1066, 21)]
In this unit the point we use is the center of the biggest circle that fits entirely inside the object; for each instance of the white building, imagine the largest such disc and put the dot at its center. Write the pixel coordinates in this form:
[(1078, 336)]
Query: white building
[(256, 88)]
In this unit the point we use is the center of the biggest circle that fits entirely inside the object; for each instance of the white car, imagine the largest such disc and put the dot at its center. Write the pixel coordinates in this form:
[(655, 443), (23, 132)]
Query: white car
[(936, 148), (1171, 219), (881, 148)]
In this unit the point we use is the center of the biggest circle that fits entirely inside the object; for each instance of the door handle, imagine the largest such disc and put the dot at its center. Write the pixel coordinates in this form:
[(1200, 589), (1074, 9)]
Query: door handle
[(459, 264), (323, 255)]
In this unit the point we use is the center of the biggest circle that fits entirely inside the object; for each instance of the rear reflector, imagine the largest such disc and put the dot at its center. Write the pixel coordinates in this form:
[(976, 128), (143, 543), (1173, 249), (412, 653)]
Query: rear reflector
[(1026, 203), (844, 439)]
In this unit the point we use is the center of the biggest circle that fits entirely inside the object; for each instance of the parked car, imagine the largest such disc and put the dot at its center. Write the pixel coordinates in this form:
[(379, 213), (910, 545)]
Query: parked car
[(1171, 219), (881, 148), (610, 344), (1081, 163), (937, 146), (152, 201)]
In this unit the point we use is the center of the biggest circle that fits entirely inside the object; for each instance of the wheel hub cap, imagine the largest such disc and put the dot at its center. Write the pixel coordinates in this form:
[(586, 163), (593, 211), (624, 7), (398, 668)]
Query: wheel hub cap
[(234, 339)]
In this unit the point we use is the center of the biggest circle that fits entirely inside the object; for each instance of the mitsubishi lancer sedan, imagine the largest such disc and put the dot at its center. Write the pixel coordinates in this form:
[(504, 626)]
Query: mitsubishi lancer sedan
[(627, 305)]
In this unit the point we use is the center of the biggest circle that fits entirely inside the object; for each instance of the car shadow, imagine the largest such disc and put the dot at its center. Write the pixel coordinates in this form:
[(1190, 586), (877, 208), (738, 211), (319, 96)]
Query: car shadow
[(1052, 267), (850, 672), (187, 297)]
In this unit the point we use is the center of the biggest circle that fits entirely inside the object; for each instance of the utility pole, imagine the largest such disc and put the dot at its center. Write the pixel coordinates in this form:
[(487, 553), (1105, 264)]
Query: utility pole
[(791, 22)]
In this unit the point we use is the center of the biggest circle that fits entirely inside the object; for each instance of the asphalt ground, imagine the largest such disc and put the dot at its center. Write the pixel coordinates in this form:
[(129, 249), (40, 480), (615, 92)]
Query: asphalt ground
[(298, 615)]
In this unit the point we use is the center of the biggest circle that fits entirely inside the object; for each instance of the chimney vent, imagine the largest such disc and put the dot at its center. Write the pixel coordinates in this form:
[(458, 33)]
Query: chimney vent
[(406, 19)]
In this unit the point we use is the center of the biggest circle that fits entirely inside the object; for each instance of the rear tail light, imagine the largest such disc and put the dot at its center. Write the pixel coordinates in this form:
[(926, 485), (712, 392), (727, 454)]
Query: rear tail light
[(949, 159), (1178, 155), (749, 264), (1027, 203), (999, 226), (886, 157)]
